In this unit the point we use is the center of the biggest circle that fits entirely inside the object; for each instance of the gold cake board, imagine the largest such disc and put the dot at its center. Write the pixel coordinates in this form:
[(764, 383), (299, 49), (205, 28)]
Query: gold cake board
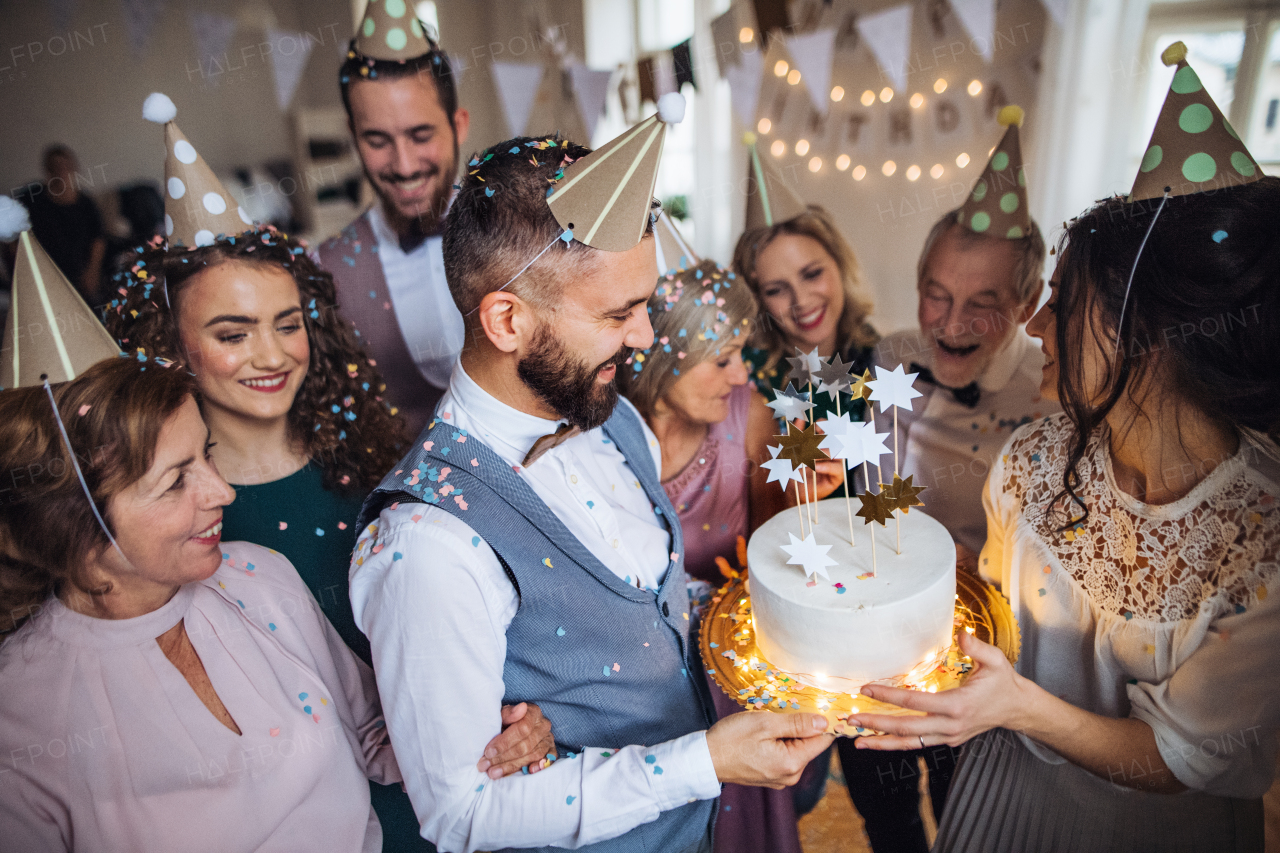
[(727, 643)]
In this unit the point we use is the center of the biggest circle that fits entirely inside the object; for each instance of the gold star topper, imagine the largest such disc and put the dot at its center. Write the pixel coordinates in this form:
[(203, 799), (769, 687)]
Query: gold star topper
[(800, 446), (901, 494), (859, 389), (875, 508)]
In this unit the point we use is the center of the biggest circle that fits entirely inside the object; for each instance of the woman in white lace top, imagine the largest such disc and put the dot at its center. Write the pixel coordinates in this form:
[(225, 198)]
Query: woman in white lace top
[(1137, 535)]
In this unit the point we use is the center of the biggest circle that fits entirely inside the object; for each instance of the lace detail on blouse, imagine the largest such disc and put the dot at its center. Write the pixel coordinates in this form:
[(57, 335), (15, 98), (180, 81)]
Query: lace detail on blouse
[(1158, 563)]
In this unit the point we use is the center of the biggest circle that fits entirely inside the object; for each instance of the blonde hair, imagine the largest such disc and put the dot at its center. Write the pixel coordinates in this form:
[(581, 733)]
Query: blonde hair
[(694, 312), (816, 224)]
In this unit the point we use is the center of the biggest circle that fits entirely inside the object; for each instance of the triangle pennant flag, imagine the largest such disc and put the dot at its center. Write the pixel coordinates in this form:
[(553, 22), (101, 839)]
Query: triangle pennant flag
[(288, 61), (591, 88), (50, 332), (888, 34), (724, 31), (811, 54), (212, 33), (605, 198), (978, 17), (674, 253), (998, 203), (1193, 147), (770, 200), (517, 84), (744, 86)]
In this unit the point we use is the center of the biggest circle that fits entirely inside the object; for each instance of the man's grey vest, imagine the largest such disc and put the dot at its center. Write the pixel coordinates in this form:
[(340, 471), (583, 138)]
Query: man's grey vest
[(609, 664), (352, 259)]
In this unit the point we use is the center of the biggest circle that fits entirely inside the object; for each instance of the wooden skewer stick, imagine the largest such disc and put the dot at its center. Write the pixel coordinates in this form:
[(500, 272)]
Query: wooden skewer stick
[(897, 519), (844, 476), (866, 475)]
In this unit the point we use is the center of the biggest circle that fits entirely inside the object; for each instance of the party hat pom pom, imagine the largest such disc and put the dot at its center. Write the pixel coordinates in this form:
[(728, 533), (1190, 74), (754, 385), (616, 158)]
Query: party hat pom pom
[(1174, 53), (671, 108), (158, 108), (1010, 115), (13, 218), (749, 138)]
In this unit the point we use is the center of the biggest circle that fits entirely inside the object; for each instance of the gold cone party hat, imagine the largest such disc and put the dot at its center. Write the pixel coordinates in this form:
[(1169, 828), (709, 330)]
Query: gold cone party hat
[(1193, 147), (391, 32), (998, 204), (197, 207), (605, 197), (769, 199), (674, 253), (50, 332)]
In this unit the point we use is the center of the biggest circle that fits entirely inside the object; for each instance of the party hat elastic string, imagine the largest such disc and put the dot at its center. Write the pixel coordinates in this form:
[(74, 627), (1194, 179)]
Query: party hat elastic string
[(1134, 269), (566, 236), (75, 466)]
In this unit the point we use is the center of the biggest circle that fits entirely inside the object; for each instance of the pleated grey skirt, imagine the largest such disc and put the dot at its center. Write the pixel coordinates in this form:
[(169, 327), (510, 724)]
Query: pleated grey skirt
[(1004, 799)]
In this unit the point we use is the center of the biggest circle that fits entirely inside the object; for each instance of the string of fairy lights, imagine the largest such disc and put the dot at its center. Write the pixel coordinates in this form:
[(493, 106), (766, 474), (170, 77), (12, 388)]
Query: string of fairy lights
[(778, 148)]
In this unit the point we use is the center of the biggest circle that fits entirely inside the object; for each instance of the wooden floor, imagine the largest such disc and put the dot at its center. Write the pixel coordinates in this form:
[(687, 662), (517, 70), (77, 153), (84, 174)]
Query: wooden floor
[(834, 825)]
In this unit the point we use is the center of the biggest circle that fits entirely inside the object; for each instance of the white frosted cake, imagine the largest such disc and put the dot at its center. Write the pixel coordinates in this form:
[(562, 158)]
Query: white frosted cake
[(879, 627)]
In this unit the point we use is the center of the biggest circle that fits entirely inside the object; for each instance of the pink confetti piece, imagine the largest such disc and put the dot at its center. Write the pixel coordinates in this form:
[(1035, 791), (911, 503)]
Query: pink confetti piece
[(346, 478), (812, 583), (617, 668), (475, 463), (395, 505), (646, 645), (447, 416), (377, 548), (342, 525), (515, 468), (417, 518), (427, 445), (274, 731), (315, 717), (461, 503), (414, 477), (446, 489), (84, 410), (444, 472)]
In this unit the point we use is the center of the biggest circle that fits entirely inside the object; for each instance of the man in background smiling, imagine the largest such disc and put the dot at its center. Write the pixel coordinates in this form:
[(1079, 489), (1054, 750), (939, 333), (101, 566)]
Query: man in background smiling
[(402, 108)]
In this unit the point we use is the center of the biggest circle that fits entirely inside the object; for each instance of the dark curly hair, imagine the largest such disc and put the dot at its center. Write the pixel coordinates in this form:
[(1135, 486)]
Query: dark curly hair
[(1203, 311), (338, 417)]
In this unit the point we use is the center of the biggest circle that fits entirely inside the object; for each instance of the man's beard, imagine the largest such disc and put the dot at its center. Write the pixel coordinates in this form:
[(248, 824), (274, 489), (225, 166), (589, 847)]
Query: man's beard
[(413, 229), (566, 385)]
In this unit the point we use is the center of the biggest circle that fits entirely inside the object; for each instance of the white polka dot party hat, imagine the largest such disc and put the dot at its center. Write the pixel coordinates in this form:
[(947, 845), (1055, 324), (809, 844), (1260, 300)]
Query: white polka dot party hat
[(50, 332), (391, 32), (770, 199), (998, 203), (1193, 147), (197, 207)]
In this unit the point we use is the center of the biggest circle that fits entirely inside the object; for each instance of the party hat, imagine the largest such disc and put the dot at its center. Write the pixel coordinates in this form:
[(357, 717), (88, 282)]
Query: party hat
[(197, 207), (605, 197), (998, 204), (391, 32), (673, 251), (50, 332), (769, 199), (1193, 147)]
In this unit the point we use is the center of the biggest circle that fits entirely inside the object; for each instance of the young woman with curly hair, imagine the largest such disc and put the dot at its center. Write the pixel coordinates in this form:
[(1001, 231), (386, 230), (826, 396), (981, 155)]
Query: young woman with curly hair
[(290, 398)]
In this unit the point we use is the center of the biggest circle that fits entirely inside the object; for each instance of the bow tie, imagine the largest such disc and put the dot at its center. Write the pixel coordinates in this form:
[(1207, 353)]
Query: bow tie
[(542, 445), (966, 396)]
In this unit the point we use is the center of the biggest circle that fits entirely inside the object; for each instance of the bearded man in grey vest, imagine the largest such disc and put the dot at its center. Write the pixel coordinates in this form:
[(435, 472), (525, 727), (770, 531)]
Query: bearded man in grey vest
[(387, 265), (524, 551)]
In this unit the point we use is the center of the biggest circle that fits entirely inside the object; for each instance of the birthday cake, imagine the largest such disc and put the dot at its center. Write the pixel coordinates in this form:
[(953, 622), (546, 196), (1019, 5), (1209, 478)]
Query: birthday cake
[(853, 626)]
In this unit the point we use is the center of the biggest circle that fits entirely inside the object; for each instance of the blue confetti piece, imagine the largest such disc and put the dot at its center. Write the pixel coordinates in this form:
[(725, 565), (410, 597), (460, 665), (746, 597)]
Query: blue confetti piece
[(591, 504), (241, 603), (650, 759), (373, 294), (685, 673), (560, 632), (524, 770), (226, 556), (488, 191), (335, 408), (683, 333), (551, 756), (319, 531), (475, 541), (567, 236), (657, 771), (479, 788), (397, 556), (271, 625), (303, 696), (840, 591), (306, 709), (514, 150), (568, 801), (1219, 236), (606, 672)]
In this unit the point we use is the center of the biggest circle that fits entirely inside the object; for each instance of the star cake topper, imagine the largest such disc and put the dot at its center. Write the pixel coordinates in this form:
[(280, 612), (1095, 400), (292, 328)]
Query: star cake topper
[(893, 388), (789, 404), (902, 494), (833, 377), (801, 446), (809, 555)]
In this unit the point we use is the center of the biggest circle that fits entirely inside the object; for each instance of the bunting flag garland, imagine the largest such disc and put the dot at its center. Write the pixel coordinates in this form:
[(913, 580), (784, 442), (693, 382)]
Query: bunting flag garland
[(745, 78), (682, 64), (978, 17), (888, 34), (517, 84), (811, 54), (212, 34), (288, 62), (591, 89)]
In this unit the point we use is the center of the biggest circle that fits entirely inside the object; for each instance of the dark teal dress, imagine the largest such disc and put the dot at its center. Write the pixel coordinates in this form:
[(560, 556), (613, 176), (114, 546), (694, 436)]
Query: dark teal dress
[(315, 528), (767, 380)]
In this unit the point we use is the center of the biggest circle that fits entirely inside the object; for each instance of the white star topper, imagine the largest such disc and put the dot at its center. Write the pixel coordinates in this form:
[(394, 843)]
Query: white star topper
[(809, 555), (781, 470), (788, 405), (833, 429), (893, 388), (863, 443)]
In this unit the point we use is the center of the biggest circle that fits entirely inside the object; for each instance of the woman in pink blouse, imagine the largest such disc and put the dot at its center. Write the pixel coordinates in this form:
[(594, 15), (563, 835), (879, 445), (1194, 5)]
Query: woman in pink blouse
[(163, 690)]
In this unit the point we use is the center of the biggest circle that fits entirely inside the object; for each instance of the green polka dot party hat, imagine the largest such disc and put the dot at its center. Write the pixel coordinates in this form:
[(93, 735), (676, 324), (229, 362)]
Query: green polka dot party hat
[(197, 207), (1193, 147), (998, 204), (391, 32)]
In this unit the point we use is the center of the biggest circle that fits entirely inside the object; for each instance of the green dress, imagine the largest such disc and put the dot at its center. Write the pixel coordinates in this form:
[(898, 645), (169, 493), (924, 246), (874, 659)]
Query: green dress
[(315, 528), (767, 380)]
